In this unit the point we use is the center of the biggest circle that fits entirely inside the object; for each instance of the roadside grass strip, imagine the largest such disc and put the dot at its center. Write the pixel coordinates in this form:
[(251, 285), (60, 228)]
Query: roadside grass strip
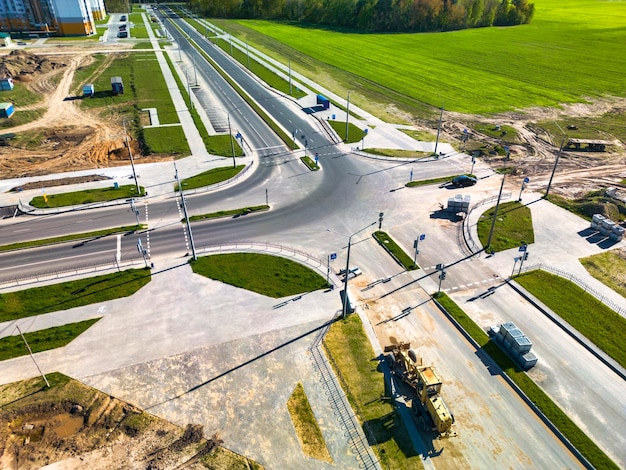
[(594, 202), (590, 317), (273, 276), (543, 402), (88, 196), (308, 161), (304, 422), (395, 250), (74, 236), (42, 340), (513, 228), (352, 357), (230, 213), (252, 103), (398, 153), (609, 268), (243, 57), (442, 180), (66, 295), (210, 177)]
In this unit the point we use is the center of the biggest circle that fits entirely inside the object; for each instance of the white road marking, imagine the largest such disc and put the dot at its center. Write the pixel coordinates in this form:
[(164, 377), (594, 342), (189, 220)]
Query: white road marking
[(57, 259), (22, 230), (118, 254)]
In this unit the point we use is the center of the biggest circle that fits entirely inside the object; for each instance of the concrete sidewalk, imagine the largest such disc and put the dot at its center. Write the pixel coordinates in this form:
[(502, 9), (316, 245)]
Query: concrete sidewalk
[(559, 245)]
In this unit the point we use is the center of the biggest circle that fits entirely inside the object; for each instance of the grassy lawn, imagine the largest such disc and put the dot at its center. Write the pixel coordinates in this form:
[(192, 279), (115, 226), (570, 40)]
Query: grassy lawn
[(352, 356), (38, 300), (87, 196), (42, 340), (588, 127), (74, 236), (609, 268), (167, 140), (569, 429), (305, 424), (144, 87), (355, 133), (209, 177), (516, 67), (268, 275), (395, 250), (231, 213), (221, 145), (594, 202), (604, 327), (514, 226)]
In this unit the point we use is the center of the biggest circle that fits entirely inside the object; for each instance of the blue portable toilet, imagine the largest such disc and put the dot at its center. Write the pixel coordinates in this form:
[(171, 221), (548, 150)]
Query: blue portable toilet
[(89, 89), (6, 110), (6, 84)]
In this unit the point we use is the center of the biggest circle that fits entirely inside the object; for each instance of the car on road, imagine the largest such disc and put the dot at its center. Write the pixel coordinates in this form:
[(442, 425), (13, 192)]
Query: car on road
[(354, 272), (463, 181), (123, 18)]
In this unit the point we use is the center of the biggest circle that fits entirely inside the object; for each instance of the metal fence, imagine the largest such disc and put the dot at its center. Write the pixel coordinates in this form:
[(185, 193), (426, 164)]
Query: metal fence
[(467, 233), (76, 270), (584, 286)]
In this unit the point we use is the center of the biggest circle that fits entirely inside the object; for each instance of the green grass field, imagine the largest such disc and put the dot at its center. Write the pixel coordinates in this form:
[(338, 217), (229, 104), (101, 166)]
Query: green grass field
[(273, 276), (570, 51), (55, 297)]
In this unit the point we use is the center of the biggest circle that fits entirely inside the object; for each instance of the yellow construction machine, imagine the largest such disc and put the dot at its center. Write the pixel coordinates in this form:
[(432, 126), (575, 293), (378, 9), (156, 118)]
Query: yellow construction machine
[(427, 385)]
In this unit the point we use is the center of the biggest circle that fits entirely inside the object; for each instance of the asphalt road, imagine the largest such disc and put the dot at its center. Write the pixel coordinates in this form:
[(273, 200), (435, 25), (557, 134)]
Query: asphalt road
[(316, 211)]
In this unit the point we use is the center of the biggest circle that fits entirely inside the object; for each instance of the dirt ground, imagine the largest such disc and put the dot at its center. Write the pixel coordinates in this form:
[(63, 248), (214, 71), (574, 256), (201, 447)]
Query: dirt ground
[(72, 425), (70, 139)]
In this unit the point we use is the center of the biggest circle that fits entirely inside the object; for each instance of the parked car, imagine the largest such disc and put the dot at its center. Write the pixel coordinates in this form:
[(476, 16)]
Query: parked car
[(123, 18), (122, 28), (122, 34), (463, 181)]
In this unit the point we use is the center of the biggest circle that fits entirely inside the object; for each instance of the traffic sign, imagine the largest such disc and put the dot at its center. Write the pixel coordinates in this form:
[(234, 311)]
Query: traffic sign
[(527, 180), (422, 236), (333, 256), (523, 248)]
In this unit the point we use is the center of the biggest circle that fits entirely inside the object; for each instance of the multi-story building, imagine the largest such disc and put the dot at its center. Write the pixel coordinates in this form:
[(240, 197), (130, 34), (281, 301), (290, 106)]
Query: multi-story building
[(51, 17)]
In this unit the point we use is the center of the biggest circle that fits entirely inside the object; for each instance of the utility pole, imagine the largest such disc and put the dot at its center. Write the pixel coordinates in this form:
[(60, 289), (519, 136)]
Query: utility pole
[(30, 351), (495, 215), (556, 161), (347, 116)]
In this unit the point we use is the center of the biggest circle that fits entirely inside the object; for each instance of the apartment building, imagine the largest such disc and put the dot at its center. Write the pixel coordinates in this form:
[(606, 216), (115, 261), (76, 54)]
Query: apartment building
[(51, 17)]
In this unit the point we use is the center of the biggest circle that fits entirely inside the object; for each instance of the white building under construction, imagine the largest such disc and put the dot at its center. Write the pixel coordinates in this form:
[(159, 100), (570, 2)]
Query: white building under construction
[(51, 17)]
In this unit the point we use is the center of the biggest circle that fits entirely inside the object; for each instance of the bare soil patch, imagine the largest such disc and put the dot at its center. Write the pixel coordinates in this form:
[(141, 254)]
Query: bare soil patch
[(65, 138), (72, 425)]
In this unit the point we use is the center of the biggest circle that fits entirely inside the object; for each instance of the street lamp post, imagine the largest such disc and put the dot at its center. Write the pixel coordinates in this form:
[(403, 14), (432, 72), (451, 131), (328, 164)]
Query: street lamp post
[(344, 310), (495, 215), (182, 198), (438, 129)]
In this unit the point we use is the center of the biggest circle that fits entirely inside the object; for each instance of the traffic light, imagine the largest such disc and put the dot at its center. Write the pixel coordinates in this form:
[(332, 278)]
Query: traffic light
[(525, 256)]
